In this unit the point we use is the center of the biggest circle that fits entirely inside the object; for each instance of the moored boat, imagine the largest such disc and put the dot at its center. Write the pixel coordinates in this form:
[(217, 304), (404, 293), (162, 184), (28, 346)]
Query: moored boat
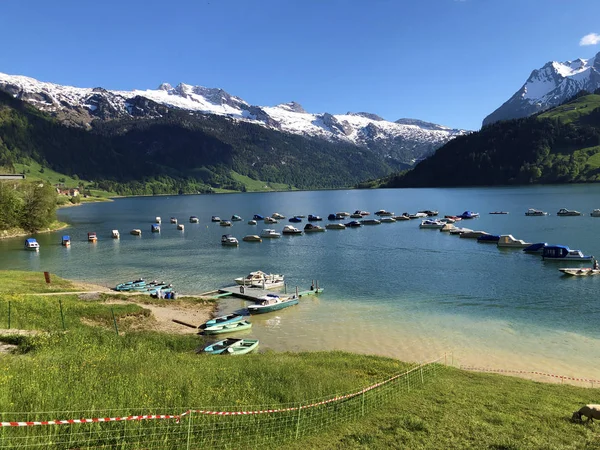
[(115, 234), (180, 227), (225, 223), (258, 217), (157, 219), (313, 218), (131, 285), (488, 239), (472, 234), (469, 215), (277, 216), (499, 212), (92, 237), (535, 212), (387, 219), (383, 212), (32, 245), (310, 228), (430, 212), (229, 240), (270, 303), (66, 241), (252, 222), (194, 219), (173, 220), (232, 347), (563, 212), (460, 230), (535, 248), (228, 327), (269, 233), (257, 277), (370, 222), (235, 218), (215, 219), (563, 253), (136, 232), (222, 320), (508, 241), (335, 226), (595, 213), (353, 224), (291, 230), (270, 220), (295, 219), (434, 224), (155, 228), (252, 238), (580, 272)]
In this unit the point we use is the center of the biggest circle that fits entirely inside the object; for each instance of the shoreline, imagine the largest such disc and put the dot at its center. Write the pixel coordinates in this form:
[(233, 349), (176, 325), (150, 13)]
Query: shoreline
[(20, 232)]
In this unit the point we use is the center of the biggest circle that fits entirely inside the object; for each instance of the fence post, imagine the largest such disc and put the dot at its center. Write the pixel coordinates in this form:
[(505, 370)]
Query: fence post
[(114, 320), (9, 314), (362, 406), (189, 433), (422, 381), (62, 315), (408, 382), (298, 421)]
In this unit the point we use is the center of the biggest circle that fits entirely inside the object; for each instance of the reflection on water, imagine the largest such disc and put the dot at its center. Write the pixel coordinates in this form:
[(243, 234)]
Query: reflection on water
[(391, 289)]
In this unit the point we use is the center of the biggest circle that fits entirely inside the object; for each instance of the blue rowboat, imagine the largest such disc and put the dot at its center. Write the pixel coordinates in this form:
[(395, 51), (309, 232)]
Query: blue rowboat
[(270, 303), (232, 347), (228, 327)]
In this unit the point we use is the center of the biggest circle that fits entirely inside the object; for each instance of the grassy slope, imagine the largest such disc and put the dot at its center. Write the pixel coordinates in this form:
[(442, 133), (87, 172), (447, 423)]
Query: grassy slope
[(574, 110), (147, 370)]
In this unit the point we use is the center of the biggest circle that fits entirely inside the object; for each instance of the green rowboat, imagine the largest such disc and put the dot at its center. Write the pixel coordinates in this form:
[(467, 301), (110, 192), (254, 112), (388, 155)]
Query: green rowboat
[(228, 327)]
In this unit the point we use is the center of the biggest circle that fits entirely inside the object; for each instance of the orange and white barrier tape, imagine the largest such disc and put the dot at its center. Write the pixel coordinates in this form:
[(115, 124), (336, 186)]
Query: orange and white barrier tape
[(209, 412), (529, 372)]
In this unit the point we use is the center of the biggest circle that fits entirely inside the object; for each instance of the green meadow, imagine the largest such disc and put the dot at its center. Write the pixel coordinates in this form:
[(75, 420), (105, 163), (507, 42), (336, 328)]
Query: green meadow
[(97, 354)]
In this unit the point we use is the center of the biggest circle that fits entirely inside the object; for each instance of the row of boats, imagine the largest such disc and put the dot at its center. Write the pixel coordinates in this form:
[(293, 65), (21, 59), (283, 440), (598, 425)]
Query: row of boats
[(564, 212), (157, 289), (548, 252)]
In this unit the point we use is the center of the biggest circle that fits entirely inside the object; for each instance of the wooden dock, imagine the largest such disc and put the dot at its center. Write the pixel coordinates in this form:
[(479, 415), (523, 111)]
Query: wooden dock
[(255, 293)]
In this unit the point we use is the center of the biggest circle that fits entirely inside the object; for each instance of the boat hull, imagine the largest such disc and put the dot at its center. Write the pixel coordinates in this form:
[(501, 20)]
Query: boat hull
[(583, 272), (228, 328), (260, 309)]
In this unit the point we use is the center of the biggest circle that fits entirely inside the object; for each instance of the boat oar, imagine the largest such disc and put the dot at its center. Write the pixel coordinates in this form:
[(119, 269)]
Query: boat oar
[(183, 323)]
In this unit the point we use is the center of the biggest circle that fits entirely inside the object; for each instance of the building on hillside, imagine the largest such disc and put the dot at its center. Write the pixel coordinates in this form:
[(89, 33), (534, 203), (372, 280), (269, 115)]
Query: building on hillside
[(12, 176)]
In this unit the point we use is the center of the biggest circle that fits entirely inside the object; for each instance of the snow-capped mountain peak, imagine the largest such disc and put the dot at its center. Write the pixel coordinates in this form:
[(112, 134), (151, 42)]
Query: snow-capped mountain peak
[(549, 86), (405, 141)]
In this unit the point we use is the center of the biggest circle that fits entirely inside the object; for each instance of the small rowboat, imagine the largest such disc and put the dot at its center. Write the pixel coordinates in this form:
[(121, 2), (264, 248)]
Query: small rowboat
[(222, 320), (580, 272), (228, 327), (270, 303), (232, 347)]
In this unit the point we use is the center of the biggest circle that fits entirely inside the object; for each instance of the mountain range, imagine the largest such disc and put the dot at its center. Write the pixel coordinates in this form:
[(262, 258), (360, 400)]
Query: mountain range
[(402, 142), (550, 86)]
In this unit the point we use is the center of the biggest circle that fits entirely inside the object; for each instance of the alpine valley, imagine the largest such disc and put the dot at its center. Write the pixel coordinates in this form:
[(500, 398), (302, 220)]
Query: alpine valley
[(192, 138)]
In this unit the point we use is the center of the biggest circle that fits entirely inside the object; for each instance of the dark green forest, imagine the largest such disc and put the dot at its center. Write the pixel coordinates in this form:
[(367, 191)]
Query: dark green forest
[(561, 145), (180, 152)]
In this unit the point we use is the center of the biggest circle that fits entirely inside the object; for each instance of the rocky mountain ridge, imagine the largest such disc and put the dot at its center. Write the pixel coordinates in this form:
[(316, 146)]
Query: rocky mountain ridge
[(405, 141)]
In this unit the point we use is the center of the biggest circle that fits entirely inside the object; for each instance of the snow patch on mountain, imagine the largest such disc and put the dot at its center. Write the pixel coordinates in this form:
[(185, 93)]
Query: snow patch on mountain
[(550, 86), (405, 140)]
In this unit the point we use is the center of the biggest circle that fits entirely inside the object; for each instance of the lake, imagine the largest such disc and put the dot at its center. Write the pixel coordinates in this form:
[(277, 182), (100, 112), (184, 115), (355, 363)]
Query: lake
[(390, 289)]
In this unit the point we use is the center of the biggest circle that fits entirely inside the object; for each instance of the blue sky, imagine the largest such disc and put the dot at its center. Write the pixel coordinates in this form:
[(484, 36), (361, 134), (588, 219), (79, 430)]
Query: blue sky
[(450, 62)]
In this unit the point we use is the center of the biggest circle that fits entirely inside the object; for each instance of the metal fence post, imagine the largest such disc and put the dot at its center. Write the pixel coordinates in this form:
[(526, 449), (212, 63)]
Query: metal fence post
[(9, 314), (189, 433), (114, 320), (62, 315), (298, 421)]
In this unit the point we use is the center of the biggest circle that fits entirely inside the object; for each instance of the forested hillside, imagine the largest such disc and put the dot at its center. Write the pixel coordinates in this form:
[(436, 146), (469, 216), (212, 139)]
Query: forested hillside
[(561, 145), (180, 152)]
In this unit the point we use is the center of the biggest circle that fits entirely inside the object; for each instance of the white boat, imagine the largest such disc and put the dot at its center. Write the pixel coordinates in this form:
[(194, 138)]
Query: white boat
[(459, 230), (277, 216), (435, 224), (173, 220), (180, 226), (258, 277), (535, 212), (335, 226), (270, 220), (563, 253), (290, 229), (136, 232), (252, 222), (472, 234), (229, 240), (157, 219), (225, 223), (32, 245), (387, 219), (580, 271), (342, 214), (419, 215), (567, 212), (595, 213), (383, 212), (194, 219), (215, 219), (448, 227), (252, 238), (507, 240), (115, 233), (269, 233)]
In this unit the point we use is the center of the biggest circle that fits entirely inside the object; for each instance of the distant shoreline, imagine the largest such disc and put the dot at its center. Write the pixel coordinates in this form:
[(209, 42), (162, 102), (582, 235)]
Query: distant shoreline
[(20, 232)]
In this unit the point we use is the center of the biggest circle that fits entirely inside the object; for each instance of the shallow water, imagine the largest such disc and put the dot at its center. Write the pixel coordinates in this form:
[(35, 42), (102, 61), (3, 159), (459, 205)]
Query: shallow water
[(390, 289)]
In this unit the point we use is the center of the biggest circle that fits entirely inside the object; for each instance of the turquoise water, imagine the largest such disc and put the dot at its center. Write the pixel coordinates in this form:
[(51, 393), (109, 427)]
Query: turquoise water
[(391, 289)]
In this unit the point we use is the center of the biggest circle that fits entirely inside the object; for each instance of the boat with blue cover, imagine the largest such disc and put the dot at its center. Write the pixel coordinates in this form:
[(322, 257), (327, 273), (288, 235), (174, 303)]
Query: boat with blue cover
[(295, 219), (131, 285), (469, 215), (563, 253), (272, 302), (32, 244), (231, 347), (66, 241), (314, 218), (258, 217), (155, 228), (536, 248), (235, 218)]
